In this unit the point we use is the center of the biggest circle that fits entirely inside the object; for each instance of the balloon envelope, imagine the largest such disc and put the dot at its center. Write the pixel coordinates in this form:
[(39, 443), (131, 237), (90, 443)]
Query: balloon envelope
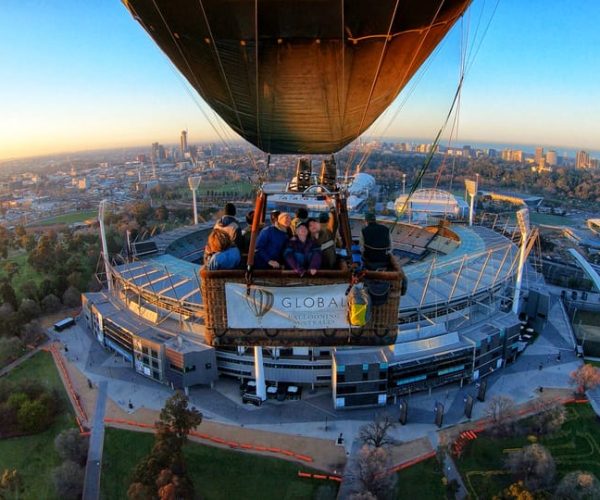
[(298, 76)]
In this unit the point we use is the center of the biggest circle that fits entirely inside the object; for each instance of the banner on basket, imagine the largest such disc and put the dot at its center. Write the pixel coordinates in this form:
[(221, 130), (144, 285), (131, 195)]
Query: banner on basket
[(304, 307)]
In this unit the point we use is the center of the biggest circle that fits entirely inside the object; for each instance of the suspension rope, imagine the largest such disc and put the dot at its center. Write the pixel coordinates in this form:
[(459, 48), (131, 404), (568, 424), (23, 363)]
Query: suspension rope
[(376, 75), (221, 68), (413, 59), (259, 139), (176, 71)]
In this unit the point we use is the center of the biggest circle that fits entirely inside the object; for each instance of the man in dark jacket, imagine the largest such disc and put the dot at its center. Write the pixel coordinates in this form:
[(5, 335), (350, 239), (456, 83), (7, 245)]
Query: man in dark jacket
[(323, 231), (271, 243), (376, 243)]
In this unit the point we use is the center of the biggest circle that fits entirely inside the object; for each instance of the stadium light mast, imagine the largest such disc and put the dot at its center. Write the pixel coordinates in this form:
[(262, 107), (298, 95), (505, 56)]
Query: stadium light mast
[(259, 373), (194, 182), (524, 228), (101, 212), (471, 188)]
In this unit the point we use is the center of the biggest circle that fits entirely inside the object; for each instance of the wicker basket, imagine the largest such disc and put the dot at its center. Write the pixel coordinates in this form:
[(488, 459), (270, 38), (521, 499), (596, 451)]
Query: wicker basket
[(382, 329)]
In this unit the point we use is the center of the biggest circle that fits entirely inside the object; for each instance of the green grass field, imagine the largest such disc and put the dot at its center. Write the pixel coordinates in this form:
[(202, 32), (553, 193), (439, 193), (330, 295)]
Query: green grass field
[(422, 481), (575, 447), (216, 473), (551, 220), (70, 218), (25, 273), (34, 456)]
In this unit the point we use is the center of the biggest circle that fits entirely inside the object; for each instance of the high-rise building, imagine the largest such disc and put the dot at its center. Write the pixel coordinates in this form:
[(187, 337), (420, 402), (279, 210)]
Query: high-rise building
[(583, 160), (183, 142), (539, 154), (551, 158), (517, 155)]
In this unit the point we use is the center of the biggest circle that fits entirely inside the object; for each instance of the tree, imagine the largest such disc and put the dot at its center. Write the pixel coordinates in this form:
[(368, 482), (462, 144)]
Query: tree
[(11, 268), (29, 309), (370, 473), (175, 423), (72, 297), (515, 491), (71, 445), (548, 417), (51, 303), (578, 485), (32, 333), (8, 295), (68, 480), (178, 417), (33, 416), (585, 377), (533, 465), (376, 433), (11, 484), (501, 411), (10, 348)]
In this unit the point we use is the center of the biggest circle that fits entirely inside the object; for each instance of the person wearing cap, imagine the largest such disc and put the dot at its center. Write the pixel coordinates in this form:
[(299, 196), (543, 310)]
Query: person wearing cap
[(302, 253), (323, 232), (271, 243), (273, 216), (230, 225), (376, 243), (301, 216)]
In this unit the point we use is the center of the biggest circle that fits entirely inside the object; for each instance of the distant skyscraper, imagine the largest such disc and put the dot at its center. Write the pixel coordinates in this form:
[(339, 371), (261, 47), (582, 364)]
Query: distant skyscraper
[(583, 160), (183, 139), (539, 154), (551, 158)]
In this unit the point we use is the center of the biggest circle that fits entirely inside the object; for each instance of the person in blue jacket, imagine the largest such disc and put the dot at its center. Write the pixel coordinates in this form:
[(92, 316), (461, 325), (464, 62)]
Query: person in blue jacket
[(271, 243), (303, 253)]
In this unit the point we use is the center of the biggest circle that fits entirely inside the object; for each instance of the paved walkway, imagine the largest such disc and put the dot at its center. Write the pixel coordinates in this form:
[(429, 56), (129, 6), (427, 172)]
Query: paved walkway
[(22, 359), (91, 487)]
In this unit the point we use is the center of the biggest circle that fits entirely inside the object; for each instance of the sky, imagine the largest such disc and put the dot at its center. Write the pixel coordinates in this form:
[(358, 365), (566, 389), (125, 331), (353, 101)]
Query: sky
[(78, 75)]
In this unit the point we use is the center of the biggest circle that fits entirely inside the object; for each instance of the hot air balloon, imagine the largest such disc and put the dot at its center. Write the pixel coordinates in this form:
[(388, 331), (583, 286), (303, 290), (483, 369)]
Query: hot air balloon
[(303, 76), (260, 301)]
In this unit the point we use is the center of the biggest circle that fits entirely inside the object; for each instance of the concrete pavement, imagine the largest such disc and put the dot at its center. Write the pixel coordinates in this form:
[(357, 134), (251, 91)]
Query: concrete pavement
[(93, 468)]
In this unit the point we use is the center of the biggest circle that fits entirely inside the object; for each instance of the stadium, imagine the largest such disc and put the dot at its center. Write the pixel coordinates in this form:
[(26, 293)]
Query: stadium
[(456, 322)]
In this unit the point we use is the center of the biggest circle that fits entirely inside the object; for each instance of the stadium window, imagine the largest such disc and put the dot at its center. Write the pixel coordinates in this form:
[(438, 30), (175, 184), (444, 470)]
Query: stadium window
[(154, 353), (208, 366), (189, 369)]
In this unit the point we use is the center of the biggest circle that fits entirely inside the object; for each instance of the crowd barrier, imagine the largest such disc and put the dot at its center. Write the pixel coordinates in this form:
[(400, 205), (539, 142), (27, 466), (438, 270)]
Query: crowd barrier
[(220, 441), (310, 475), (80, 414)]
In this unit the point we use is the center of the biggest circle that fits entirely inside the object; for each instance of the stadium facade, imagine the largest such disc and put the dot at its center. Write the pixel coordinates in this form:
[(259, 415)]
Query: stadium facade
[(455, 321)]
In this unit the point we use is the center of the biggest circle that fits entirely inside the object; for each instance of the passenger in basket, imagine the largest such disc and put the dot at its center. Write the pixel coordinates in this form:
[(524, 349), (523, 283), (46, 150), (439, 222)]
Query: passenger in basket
[(271, 244), (220, 252), (230, 225), (247, 232), (376, 243), (303, 253), (323, 232), (300, 217)]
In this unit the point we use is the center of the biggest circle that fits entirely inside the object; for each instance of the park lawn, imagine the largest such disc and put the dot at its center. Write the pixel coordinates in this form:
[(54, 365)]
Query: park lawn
[(25, 272), (70, 218), (422, 481), (576, 446), (34, 456), (551, 220), (216, 473)]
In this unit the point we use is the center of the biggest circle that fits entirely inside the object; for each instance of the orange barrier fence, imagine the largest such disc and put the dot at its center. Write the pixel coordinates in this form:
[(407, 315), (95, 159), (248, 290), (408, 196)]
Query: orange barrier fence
[(220, 441), (310, 475), (410, 463), (81, 415)]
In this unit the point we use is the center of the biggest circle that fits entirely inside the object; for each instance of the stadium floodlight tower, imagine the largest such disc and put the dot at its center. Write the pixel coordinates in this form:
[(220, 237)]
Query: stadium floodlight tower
[(101, 212), (472, 187), (194, 182), (524, 228)]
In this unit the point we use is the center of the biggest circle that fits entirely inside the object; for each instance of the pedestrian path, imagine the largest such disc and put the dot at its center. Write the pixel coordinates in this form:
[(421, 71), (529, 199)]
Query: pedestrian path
[(93, 468)]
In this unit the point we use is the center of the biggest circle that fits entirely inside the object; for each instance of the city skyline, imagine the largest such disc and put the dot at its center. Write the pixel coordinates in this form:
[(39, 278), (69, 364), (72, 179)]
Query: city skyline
[(88, 77)]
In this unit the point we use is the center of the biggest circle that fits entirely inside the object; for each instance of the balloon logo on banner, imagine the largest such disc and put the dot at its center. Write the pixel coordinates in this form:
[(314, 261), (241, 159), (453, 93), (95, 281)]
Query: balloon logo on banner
[(260, 301)]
